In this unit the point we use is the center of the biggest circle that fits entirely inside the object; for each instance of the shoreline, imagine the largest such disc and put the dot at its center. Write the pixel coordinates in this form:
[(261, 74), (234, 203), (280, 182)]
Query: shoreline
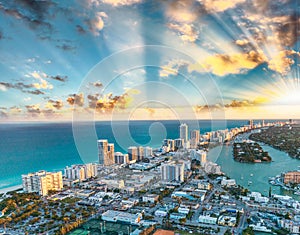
[(11, 188)]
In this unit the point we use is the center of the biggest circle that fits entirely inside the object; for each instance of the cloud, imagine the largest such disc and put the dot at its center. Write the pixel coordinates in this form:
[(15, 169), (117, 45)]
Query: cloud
[(66, 47), (33, 110), (282, 62), (34, 13), (183, 11), (187, 31), (3, 87), (234, 104), (42, 84), (220, 5), (59, 78), (172, 68), (97, 84), (288, 32), (117, 3), (242, 42), (76, 99), (25, 88), (54, 104), (15, 110), (96, 24), (3, 114), (221, 64), (109, 102)]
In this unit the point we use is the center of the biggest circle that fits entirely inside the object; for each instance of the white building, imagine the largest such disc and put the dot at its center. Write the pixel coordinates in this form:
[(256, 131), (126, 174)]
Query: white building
[(118, 216), (81, 172), (195, 138), (41, 182), (162, 212), (183, 129), (212, 168), (172, 172), (148, 151), (228, 182), (207, 219), (152, 198)]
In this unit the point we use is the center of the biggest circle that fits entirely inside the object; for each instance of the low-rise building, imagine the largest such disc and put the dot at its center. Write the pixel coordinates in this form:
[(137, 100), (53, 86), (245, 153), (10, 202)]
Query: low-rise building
[(207, 219), (183, 210), (228, 182), (124, 217), (177, 216), (152, 198), (162, 212)]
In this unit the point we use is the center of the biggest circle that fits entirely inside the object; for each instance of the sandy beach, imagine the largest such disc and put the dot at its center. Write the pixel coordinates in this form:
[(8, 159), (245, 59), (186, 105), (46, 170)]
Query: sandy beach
[(5, 190)]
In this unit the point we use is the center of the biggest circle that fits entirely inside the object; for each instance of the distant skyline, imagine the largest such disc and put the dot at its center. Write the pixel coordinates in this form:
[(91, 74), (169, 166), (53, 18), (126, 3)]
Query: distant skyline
[(210, 59)]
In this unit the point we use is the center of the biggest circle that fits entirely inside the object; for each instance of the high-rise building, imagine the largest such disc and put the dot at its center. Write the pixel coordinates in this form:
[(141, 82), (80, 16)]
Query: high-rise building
[(251, 124), (170, 144), (111, 155), (41, 182), (141, 153), (132, 153), (147, 151), (102, 150), (105, 152), (179, 143), (183, 130), (195, 138), (91, 170), (81, 172), (172, 172)]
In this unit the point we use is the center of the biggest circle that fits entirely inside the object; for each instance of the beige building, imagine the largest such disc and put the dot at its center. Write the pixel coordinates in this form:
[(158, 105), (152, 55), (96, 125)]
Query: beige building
[(42, 182), (291, 177)]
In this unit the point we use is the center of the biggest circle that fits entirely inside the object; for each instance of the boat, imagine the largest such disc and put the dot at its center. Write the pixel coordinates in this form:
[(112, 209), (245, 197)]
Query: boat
[(251, 174), (249, 182)]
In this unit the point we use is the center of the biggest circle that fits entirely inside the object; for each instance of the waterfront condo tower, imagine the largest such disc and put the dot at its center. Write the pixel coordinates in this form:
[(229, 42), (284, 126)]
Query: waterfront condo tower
[(183, 130)]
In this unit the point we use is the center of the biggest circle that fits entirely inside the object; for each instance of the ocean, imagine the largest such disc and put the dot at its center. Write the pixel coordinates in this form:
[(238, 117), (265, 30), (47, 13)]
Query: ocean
[(30, 147)]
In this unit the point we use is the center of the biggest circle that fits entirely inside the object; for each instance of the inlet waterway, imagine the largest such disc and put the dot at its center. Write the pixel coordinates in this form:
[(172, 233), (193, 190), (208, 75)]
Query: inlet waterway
[(254, 176)]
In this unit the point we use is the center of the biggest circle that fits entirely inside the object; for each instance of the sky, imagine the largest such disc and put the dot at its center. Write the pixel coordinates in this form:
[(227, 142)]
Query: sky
[(138, 59)]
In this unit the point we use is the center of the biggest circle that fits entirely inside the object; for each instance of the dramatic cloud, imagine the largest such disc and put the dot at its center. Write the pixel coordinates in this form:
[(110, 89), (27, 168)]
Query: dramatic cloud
[(76, 99), (220, 5), (282, 62), (289, 31), (222, 65), (242, 42), (187, 31), (96, 24)]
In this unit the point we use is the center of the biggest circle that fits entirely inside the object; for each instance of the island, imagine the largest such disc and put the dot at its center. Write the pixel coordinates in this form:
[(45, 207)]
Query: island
[(250, 152), (284, 138)]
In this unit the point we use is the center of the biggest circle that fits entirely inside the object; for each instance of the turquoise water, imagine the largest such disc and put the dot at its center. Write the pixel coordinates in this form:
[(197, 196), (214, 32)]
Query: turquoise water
[(29, 147), (258, 173)]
